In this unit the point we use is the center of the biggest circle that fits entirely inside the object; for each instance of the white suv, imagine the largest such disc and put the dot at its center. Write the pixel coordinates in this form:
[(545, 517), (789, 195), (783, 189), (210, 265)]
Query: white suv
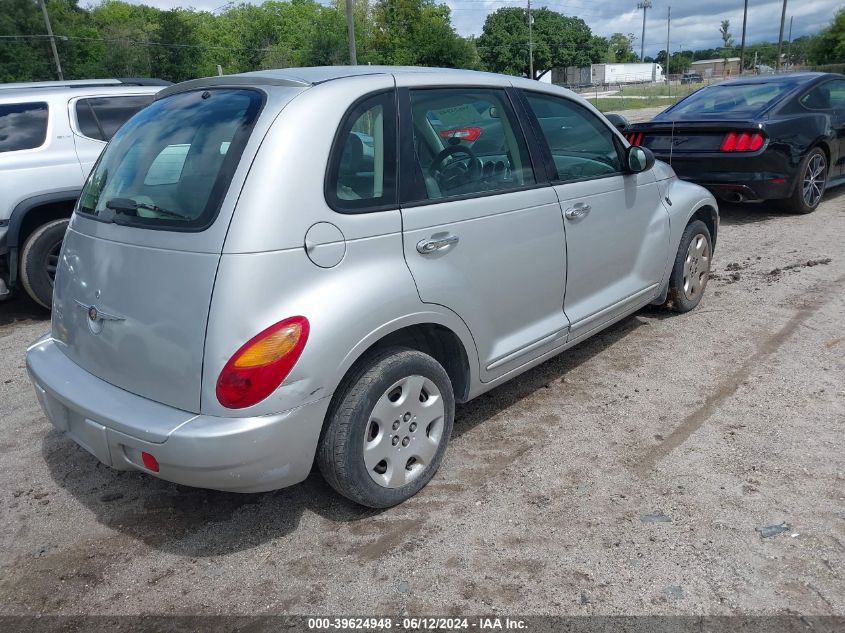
[(51, 134)]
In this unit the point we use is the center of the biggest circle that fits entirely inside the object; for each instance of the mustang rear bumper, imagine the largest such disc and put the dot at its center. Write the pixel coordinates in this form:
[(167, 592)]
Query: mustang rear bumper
[(734, 185), (233, 454)]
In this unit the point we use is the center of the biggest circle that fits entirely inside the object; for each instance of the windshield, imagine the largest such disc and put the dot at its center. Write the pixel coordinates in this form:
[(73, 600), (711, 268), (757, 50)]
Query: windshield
[(731, 98), (171, 164)]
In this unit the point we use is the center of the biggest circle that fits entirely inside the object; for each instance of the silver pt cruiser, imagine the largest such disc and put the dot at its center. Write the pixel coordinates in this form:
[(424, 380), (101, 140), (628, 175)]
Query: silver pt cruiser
[(285, 266)]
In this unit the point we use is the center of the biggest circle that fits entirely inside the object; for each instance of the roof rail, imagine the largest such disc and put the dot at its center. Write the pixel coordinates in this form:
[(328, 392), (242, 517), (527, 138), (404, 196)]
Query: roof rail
[(85, 83)]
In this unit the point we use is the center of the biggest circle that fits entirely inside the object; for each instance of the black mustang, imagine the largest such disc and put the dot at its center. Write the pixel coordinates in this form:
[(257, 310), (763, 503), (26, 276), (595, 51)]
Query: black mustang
[(776, 137)]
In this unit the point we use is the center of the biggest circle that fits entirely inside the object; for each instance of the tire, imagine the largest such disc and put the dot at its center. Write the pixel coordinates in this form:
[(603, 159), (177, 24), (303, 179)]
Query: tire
[(380, 405), (812, 174), (691, 269), (39, 259)]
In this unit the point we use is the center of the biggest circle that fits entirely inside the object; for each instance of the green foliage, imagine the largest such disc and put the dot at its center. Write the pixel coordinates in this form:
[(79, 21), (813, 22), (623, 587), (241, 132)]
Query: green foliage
[(621, 49), (829, 47), (558, 40)]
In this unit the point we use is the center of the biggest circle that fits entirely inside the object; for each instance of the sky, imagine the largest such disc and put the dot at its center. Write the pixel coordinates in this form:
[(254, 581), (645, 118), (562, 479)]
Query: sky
[(694, 25)]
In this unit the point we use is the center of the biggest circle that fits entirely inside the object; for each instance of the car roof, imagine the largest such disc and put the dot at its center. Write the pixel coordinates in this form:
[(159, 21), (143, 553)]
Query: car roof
[(787, 79), (50, 93)]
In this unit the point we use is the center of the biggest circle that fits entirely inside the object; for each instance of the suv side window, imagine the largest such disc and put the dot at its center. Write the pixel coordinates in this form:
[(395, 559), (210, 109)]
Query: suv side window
[(22, 126), (467, 141), (581, 145), (100, 117), (827, 96), (362, 167)]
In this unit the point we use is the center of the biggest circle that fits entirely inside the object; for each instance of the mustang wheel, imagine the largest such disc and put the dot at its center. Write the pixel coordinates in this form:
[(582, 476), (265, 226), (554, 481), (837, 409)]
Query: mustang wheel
[(39, 260), (692, 268), (811, 184), (388, 428)]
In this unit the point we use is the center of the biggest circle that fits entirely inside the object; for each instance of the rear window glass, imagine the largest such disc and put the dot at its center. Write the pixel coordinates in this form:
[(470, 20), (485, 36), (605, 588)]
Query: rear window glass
[(22, 126), (171, 164), (731, 98), (100, 117)]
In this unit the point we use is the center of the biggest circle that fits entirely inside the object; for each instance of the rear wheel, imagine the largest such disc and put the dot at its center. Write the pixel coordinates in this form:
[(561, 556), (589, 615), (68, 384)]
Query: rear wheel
[(811, 184), (40, 259), (691, 269), (388, 430)]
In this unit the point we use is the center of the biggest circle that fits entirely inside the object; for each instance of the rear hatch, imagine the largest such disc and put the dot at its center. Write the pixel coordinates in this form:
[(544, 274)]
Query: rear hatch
[(138, 263)]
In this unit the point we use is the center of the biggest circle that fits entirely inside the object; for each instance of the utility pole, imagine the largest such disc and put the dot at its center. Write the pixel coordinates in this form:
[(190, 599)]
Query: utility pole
[(742, 48), (780, 37), (668, 23), (52, 40), (644, 5), (789, 46), (350, 29), (530, 43)]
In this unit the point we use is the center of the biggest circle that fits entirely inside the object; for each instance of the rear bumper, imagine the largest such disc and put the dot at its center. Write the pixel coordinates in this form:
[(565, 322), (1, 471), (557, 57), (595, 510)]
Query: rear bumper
[(734, 185), (232, 454)]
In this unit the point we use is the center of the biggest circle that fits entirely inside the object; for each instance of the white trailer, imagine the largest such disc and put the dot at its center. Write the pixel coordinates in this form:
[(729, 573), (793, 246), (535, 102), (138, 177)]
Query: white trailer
[(625, 73)]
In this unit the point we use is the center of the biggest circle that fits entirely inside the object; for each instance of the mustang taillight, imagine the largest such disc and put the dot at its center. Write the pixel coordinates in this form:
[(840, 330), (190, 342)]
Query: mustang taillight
[(634, 138), (464, 133), (742, 142), (262, 363)]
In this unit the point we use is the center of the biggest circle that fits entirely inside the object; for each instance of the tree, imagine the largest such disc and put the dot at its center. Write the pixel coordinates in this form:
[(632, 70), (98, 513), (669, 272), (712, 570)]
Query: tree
[(727, 41), (829, 47), (559, 41), (622, 48)]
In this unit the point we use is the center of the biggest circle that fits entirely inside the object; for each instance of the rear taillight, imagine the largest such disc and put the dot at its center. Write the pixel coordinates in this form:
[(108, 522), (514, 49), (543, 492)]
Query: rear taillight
[(742, 142), (464, 133), (635, 138), (262, 363)]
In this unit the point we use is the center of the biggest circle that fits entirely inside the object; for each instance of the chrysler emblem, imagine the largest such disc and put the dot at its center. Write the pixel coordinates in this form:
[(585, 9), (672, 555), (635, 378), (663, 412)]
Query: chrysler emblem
[(96, 317), (92, 313)]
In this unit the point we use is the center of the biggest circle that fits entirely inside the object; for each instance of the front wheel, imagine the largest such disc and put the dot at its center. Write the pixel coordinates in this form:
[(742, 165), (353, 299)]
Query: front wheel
[(812, 178), (691, 269), (388, 429)]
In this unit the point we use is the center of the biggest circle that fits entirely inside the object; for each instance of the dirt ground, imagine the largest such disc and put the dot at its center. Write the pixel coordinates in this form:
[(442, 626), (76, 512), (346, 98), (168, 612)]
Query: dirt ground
[(642, 472)]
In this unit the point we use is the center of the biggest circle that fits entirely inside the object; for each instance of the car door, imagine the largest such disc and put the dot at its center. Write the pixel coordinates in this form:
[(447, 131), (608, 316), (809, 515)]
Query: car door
[(830, 97), (96, 119), (617, 229), (482, 234)]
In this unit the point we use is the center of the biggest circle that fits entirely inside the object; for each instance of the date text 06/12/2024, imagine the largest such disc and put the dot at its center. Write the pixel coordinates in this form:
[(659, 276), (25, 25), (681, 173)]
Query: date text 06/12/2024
[(416, 624)]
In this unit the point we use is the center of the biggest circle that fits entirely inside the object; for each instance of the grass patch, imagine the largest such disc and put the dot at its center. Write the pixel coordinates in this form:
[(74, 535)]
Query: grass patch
[(605, 104)]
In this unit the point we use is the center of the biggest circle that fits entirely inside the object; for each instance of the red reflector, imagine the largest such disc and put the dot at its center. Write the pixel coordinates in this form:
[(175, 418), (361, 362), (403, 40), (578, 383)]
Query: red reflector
[(149, 461), (756, 141), (729, 144), (262, 363), (464, 133), (778, 181)]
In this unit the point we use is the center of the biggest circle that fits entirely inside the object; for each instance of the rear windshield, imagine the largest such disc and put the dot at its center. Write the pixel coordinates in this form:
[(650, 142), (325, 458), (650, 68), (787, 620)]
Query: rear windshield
[(171, 164), (22, 126), (732, 98)]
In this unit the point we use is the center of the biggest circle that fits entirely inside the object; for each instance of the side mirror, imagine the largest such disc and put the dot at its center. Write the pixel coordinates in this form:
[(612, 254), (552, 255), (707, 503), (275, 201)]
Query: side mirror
[(617, 120), (638, 159)]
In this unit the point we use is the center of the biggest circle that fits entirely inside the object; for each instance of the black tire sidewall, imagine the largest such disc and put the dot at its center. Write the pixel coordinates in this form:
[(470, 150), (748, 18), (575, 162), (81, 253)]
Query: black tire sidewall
[(795, 203), (351, 418), (34, 277), (678, 301)]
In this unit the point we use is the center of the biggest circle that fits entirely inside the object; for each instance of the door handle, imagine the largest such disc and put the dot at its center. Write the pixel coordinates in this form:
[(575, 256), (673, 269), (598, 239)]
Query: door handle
[(435, 243), (578, 210)]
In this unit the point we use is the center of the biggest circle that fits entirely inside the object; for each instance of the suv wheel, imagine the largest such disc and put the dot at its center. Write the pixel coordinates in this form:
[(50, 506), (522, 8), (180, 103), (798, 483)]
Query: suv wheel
[(39, 260), (388, 429), (691, 269)]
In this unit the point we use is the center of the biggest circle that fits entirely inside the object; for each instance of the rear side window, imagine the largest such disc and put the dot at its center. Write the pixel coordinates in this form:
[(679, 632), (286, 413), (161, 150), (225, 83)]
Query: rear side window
[(362, 167), (829, 95), (171, 164), (100, 117), (581, 145), (22, 126)]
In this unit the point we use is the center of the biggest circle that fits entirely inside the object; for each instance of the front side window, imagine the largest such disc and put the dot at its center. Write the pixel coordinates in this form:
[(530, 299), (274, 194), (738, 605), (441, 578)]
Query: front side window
[(362, 170), (171, 164), (100, 117), (827, 96), (581, 145), (468, 141), (22, 126)]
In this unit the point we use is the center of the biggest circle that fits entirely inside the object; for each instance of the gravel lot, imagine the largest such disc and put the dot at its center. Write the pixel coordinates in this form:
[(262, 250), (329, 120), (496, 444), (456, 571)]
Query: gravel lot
[(631, 475)]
